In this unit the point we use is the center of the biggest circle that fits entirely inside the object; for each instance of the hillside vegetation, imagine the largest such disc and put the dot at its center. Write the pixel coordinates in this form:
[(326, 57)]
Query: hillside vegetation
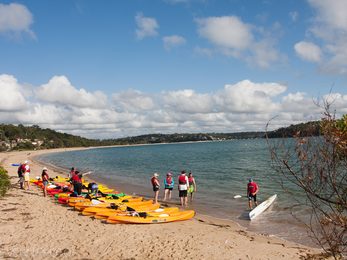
[(22, 137)]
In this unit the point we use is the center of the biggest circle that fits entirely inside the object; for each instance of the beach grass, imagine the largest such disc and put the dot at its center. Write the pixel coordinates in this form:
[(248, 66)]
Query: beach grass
[(5, 183)]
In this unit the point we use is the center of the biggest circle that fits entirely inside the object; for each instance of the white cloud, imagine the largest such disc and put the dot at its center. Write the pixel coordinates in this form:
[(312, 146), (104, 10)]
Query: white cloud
[(308, 51), (132, 100), (243, 106), (226, 32), (12, 98), (146, 26), (264, 54), (59, 90), (15, 18), (248, 97), (231, 36), (331, 13), (173, 41), (329, 28), (187, 101)]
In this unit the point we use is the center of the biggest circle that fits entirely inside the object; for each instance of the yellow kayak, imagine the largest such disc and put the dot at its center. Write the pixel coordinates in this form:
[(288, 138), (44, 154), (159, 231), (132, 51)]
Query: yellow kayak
[(97, 203), (105, 212), (150, 210), (149, 219), (73, 200)]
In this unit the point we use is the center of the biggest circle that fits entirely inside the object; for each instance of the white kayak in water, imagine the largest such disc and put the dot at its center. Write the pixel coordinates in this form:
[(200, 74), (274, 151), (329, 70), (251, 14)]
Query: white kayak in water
[(261, 207)]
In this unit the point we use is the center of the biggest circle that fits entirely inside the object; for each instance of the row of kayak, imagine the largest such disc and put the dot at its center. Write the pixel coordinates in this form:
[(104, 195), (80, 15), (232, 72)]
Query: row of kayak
[(114, 207)]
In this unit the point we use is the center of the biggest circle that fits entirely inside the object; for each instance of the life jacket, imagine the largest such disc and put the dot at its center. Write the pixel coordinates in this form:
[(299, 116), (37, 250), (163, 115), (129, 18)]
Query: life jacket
[(169, 180), (76, 179), (191, 180), (154, 182), (44, 177), (182, 182), (182, 179), (25, 168)]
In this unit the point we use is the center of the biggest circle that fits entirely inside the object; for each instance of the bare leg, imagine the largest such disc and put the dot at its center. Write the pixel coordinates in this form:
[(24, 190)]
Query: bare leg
[(156, 193), (182, 201), (165, 193)]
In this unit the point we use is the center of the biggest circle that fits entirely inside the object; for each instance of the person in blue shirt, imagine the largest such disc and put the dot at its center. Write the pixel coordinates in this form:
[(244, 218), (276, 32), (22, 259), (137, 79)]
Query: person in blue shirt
[(168, 186)]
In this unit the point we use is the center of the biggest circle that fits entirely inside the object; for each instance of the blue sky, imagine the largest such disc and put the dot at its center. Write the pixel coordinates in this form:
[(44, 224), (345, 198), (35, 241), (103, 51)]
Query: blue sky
[(116, 68)]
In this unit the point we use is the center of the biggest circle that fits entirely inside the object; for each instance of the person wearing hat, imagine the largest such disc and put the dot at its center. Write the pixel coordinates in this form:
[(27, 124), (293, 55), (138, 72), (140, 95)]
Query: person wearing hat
[(168, 184), (26, 174), (183, 186), (156, 186), (45, 179), (252, 190)]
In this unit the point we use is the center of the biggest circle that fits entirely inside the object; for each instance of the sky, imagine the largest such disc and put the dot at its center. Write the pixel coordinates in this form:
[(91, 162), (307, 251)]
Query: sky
[(109, 69)]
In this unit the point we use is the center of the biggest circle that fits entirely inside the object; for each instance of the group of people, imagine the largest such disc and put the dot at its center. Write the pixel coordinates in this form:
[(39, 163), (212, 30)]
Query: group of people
[(24, 175), (186, 185), (75, 178)]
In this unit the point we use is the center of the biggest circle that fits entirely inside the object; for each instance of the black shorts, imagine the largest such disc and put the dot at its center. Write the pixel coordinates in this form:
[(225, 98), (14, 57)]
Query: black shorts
[(254, 197), (78, 188), (168, 188), (183, 193), (155, 188)]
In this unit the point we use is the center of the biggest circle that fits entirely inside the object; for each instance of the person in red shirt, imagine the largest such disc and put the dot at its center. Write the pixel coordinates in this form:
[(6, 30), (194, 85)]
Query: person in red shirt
[(183, 186), (77, 183), (252, 190)]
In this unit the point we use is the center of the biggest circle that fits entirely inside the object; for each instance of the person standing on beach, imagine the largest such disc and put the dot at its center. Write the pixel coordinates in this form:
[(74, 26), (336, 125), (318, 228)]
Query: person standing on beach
[(156, 185), (72, 172), (183, 185), (20, 176), (26, 174), (168, 184), (252, 190), (192, 185), (45, 178)]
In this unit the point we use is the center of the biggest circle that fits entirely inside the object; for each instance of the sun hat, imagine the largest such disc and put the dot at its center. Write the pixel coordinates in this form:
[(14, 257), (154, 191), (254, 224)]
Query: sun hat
[(44, 169), (155, 174), (169, 174), (26, 161)]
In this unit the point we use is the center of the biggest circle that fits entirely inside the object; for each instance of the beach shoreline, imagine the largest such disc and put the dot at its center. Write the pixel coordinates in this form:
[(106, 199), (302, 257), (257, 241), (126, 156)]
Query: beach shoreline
[(27, 214)]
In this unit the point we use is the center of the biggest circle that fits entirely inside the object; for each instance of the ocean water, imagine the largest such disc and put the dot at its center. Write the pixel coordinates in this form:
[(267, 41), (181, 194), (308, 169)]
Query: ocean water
[(221, 170)]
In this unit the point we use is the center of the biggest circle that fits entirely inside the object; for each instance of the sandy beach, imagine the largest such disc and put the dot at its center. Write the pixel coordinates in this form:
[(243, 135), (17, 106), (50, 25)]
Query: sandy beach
[(35, 227)]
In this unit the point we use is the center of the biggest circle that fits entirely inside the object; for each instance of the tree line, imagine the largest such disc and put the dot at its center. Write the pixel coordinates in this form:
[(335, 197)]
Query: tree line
[(20, 137)]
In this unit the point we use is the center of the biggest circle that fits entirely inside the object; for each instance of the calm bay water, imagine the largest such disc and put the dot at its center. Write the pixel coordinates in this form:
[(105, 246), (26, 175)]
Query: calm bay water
[(221, 170)]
